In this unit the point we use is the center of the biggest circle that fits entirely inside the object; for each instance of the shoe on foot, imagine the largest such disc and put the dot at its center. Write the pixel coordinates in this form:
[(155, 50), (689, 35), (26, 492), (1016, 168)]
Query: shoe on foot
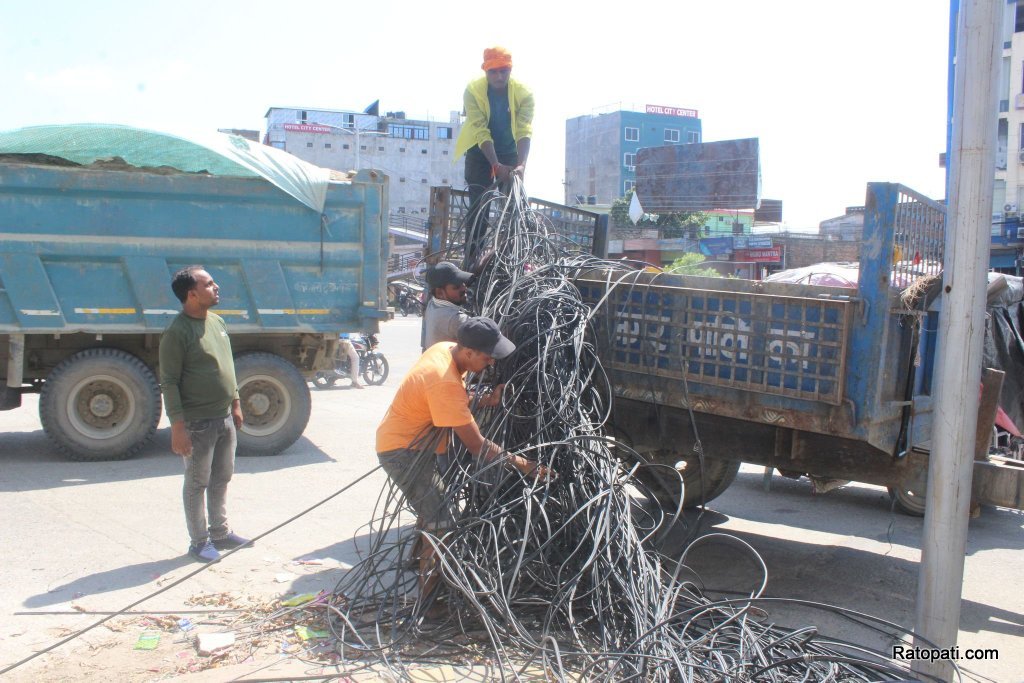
[(204, 552), (230, 542)]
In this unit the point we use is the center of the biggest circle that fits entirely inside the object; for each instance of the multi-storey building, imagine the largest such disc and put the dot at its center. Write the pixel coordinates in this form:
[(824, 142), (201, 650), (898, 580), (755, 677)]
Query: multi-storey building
[(600, 149), (1007, 246), (416, 154)]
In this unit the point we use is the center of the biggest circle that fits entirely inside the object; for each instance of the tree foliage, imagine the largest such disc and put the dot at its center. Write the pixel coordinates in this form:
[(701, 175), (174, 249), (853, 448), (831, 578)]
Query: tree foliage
[(690, 264), (670, 223)]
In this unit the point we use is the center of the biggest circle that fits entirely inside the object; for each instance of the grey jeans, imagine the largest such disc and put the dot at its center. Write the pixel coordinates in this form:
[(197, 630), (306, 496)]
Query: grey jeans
[(207, 473), (416, 476)]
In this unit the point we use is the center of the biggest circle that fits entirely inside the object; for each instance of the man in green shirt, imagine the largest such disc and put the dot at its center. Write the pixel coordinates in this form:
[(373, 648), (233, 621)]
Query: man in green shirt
[(197, 377)]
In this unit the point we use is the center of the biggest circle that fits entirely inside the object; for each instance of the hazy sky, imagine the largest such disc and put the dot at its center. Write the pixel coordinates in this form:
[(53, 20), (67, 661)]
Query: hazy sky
[(839, 93)]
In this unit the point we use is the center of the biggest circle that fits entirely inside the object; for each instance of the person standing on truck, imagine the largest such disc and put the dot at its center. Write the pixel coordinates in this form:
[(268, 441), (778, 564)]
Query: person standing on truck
[(496, 134), (433, 396), (444, 314), (197, 378)]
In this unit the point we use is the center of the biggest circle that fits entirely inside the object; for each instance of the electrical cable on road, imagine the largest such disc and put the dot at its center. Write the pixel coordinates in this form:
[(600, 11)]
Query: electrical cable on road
[(559, 577), (181, 580), (562, 577)]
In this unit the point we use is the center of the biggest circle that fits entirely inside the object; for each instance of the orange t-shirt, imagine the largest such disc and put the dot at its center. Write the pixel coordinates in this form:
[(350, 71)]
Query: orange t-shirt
[(432, 394)]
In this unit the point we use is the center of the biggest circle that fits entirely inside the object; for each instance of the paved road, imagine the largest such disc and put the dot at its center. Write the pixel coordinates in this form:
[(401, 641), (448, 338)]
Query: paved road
[(102, 535)]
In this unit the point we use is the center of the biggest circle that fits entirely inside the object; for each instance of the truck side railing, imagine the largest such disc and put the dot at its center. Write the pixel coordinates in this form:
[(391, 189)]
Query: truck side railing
[(746, 337), (586, 230)]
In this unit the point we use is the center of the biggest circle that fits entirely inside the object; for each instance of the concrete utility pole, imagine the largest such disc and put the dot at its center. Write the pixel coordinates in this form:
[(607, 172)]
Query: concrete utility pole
[(961, 329)]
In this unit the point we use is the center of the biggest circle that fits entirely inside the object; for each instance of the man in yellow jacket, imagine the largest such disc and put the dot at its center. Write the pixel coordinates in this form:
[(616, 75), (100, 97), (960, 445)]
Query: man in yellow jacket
[(496, 134)]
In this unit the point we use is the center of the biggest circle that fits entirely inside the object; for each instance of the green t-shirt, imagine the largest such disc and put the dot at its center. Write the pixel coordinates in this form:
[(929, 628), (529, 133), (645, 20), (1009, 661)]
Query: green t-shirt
[(197, 370)]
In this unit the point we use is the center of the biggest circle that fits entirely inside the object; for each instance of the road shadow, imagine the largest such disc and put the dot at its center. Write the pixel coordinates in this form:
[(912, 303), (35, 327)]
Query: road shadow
[(107, 581), (856, 509), (851, 578), (339, 558), (30, 462)]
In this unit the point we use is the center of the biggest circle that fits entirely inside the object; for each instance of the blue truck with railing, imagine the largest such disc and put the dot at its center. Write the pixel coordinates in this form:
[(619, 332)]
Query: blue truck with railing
[(95, 220), (829, 382)]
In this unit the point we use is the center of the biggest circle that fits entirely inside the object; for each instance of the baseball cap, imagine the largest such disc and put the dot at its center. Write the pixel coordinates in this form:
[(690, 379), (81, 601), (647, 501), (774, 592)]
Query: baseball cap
[(447, 273), (482, 334)]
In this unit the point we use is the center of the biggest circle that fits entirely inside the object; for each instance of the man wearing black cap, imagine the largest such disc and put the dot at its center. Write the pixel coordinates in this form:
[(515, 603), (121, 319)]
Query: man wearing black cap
[(443, 315), (432, 397)]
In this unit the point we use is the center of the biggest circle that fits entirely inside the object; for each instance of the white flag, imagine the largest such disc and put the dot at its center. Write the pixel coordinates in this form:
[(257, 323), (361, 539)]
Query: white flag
[(636, 212)]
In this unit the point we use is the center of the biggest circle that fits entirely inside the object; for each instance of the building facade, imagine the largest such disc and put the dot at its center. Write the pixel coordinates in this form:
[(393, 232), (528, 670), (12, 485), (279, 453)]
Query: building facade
[(1007, 236), (600, 149), (848, 228), (416, 154)]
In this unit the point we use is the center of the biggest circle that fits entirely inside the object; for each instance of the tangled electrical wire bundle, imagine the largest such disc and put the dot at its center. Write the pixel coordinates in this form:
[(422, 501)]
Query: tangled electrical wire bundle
[(557, 577)]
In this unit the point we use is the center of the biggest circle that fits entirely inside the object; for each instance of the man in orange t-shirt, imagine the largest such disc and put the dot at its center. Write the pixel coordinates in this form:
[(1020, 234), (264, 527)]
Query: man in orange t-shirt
[(433, 395)]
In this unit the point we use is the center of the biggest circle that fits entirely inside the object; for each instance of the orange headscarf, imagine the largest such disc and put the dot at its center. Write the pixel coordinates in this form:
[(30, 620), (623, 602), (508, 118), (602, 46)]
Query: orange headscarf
[(496, 58)]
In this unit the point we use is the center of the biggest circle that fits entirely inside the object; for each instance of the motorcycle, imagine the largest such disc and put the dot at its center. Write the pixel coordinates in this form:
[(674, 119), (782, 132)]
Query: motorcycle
[(373, 366), (409, 303)]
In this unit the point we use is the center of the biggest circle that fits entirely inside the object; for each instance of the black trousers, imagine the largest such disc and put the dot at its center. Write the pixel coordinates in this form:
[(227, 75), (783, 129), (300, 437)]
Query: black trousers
[(478, 182)]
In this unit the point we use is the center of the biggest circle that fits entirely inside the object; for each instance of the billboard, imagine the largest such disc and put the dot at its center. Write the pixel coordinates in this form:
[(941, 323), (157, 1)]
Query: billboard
[(770, 211), (716, 246), (699, 177), (770, 255)]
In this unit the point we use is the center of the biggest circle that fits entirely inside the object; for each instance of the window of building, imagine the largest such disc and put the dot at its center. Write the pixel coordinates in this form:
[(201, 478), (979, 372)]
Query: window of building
[(401, 149), (408, 132), (401, 180), (349, 120), (424, 180), (327, 145), (423, 151), (344, 146), (445, 152), (444, 181), (302, 116), (627, 186), (629, 161), (444, 133), (362, 147), (671, 135), (1019, 19), (632, 134), (309, 144), (692, 137), (1022, 137)]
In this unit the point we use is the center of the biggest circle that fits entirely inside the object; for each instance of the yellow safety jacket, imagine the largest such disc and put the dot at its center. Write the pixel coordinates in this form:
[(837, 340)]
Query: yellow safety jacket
[(478, 114)]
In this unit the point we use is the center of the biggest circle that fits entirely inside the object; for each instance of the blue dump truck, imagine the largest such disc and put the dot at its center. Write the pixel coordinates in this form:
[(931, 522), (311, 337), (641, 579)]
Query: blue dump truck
[(829, 382), (94, 220)]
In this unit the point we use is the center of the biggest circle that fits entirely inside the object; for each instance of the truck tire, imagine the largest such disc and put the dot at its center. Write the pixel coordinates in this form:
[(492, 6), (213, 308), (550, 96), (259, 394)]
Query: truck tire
[(907, 501), (718, 475), (275, 403), (324, 380), (100, 404)]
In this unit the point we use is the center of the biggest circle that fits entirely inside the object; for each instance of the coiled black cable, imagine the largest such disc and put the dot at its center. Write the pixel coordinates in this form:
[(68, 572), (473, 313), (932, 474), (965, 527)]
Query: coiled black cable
[(559, 576)]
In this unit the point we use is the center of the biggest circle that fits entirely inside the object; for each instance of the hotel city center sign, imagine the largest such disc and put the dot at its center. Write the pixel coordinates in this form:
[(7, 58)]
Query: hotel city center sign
[(307, 128), (671, 111)]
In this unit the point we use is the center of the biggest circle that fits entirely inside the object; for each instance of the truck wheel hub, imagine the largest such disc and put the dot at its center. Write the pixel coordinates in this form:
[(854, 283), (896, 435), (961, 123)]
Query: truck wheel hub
[(101, 405), (259, 404)]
